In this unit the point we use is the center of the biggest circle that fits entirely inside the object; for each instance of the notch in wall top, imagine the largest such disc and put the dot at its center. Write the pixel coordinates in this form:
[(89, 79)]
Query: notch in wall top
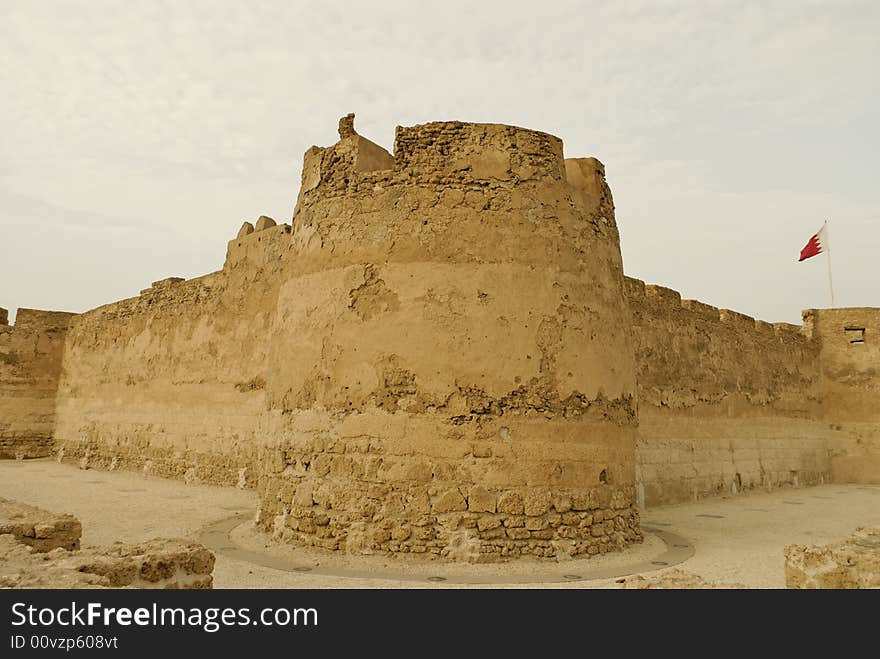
[(790, 332), (764, 327), (735, 317), (663, 293), (707, 311), (633, 288)]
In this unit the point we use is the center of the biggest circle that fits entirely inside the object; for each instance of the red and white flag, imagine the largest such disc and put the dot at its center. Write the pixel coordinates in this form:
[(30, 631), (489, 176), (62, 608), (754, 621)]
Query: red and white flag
[(817, 244)]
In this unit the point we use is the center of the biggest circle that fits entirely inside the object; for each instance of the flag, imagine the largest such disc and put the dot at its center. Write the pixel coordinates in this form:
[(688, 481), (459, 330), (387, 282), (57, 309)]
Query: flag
[(816, 245)]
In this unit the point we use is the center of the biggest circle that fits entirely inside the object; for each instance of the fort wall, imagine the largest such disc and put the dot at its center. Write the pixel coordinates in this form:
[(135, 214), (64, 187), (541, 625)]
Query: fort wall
[(726, 403), (172, 382), (30, 365), (849, 349)]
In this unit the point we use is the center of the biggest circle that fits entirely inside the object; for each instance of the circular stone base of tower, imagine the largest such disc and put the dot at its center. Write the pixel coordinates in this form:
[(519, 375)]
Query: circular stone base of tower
[(474, 491)]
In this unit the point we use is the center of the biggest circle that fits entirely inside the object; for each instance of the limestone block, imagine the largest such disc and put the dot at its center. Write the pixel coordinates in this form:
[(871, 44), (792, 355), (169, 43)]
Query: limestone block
[(449, 501), (38, 528), (480, 500), (304, 495), (536, 502), (511, 503), (246, 229)]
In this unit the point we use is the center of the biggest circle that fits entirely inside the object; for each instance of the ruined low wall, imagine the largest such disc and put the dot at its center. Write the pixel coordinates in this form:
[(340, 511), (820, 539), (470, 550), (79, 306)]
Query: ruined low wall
[(849, 345), (156, 564), (726, 403), (851, 563), (39, 529), (30, 365)]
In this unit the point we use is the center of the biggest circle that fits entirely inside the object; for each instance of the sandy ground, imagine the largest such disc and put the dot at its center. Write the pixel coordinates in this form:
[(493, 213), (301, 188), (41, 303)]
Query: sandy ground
[(736, 539)]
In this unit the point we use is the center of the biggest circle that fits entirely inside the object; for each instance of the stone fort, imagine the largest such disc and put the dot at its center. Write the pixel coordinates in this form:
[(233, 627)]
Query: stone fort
[(441, 356)]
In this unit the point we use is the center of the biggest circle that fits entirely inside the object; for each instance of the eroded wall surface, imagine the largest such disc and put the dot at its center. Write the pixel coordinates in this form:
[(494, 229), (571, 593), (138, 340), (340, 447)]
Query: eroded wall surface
[(30, 365), (726, 403), (849, 344)]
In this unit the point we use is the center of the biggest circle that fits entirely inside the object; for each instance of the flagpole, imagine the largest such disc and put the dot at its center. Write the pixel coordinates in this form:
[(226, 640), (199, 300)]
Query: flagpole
[(828, 252)]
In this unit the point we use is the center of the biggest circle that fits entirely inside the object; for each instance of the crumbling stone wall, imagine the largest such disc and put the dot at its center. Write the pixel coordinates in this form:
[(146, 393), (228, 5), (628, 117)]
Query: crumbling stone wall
[(726, 403), (161, 563), (40, 529), (41, 549), (849, 353), (453, 376), (30, 365)]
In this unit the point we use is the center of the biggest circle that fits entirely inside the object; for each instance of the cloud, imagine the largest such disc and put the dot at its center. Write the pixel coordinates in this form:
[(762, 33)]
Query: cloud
[(717, 122)]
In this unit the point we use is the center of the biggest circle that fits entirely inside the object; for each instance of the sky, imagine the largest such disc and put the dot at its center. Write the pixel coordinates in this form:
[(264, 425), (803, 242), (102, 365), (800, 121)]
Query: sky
[(135, 137)]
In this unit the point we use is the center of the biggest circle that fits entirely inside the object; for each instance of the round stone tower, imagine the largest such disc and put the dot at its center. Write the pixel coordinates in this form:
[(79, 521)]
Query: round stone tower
[(451, 373)]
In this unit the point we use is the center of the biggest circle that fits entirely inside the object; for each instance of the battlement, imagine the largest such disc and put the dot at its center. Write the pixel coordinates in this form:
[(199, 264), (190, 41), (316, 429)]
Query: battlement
[(638, 294), (439, 153), (258, 246), (469, 153), (39, 320)]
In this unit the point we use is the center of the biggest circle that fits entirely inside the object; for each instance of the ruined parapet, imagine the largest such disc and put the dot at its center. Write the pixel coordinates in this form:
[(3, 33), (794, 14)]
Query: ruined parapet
[(40, 529), (30, 365), (590, 191), (338, 168), (446, 195), (457, 153), (451, 374), (262, 247), (264, 222), (4, 317), (850, 563)]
